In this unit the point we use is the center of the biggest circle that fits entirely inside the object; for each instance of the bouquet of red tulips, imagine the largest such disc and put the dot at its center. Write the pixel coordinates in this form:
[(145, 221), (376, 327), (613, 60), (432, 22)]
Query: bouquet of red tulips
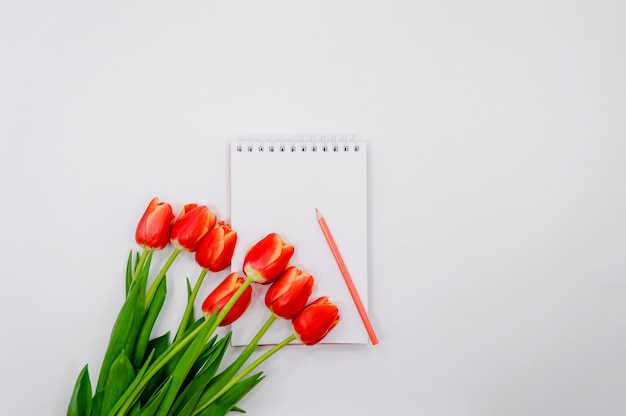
[(147, 374)]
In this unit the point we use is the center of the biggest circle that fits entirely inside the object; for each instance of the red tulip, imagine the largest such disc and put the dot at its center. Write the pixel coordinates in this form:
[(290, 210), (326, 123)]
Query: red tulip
[(153, 230), (222, 294), (315, 321), (216, 248), (267, 259), (191, 225), (289, 293)]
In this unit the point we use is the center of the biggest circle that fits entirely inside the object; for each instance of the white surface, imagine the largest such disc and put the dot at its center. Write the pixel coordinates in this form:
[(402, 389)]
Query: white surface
[(278, 192), (496, 141)]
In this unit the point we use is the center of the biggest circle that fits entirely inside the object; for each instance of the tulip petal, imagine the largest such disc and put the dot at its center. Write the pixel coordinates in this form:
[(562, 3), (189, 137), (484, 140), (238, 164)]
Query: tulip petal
[(289, 307), (191, 225), (316, 321), (220, 296), (289, 294), (153, 229), (281, 285), (216, 246), (224, 259), (238, 308), (275, 268), (266, 250)]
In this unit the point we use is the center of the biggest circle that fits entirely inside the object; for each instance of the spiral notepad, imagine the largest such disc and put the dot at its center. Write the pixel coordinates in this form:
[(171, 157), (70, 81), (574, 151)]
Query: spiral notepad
[(275, 187)]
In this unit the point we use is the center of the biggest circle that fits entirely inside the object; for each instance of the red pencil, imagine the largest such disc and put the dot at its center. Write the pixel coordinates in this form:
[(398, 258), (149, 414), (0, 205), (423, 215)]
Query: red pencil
[(346, 277)]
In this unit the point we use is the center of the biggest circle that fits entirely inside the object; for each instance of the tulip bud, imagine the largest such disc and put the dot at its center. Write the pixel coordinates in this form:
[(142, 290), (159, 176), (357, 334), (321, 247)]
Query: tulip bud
[(315, 321), (191, 225), (267, 259), (216, 248), (289, 293), (153, 230), (222, 294)]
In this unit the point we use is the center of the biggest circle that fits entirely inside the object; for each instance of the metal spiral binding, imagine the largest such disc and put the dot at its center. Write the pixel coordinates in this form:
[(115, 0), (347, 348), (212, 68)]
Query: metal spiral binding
[(297, 143)]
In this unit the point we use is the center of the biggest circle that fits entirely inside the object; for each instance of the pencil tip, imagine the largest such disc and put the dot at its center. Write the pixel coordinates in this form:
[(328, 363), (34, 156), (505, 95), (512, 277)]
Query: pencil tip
[(318, 213)]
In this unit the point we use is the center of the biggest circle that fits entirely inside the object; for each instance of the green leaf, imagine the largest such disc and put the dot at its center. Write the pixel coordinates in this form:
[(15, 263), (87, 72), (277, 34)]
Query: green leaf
[(134, 411), (191, 318), (185, 364), (140, 309), (130, 388), (129, 271), (228, 400), (186, 402), (173, 362), (202, 332), (196, 324), (219, 381), (80, 403), (161, 345), (207, 356), (120, 377), (188, 406), (148, 324), (157, 346), (153, 404), (120, 337), (126, 328)]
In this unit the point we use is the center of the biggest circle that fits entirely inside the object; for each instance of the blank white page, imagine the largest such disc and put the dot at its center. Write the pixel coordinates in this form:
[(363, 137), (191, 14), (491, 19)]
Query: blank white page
[(275, 187)]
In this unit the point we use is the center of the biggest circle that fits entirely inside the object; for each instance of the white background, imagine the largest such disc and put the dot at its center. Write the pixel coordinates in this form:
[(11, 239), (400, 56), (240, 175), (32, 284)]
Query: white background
[(497, 196)]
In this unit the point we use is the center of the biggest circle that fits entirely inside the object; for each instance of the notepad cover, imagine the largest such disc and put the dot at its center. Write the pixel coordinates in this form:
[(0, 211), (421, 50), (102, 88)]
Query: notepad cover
[(276, 187)]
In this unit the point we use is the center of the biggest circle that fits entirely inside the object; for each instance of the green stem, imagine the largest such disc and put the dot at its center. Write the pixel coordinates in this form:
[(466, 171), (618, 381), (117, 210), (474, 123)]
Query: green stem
[(160, 276), (188, 310), (245, 372), (139, 265), (262, 331)]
